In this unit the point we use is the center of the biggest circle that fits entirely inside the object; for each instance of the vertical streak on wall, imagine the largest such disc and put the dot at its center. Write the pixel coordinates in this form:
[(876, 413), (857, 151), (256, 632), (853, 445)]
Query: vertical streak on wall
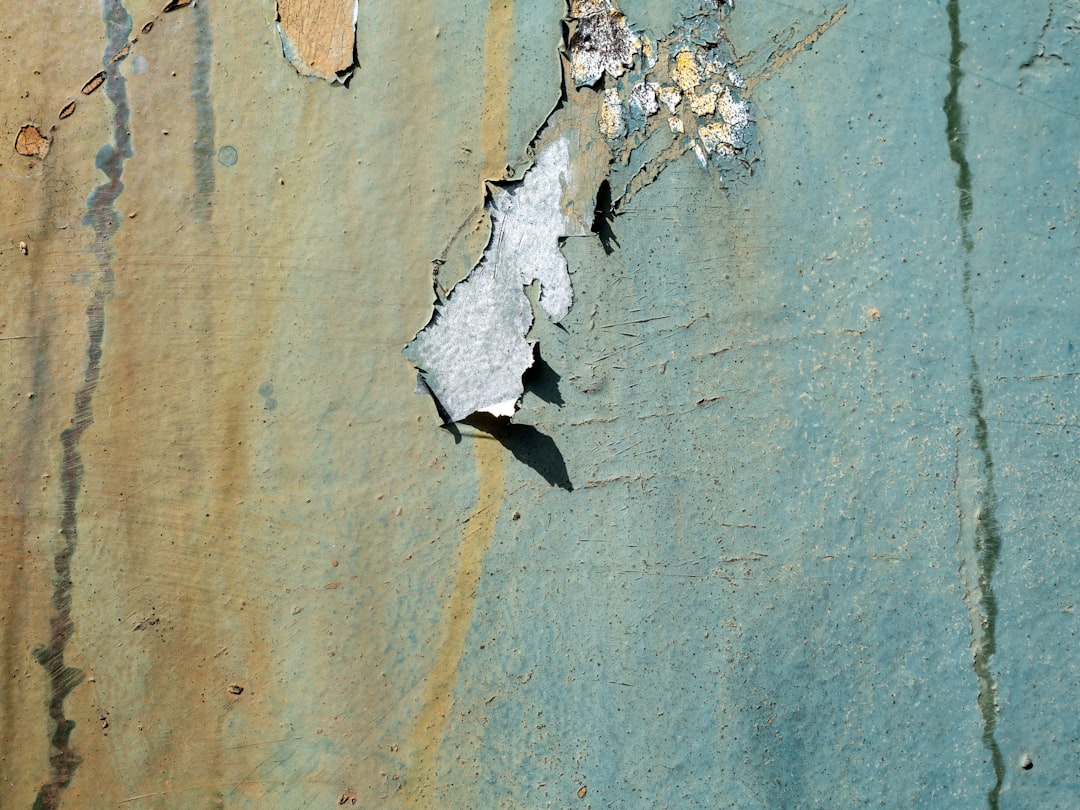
[(203, 146), (494, 119), (979, 528), (433, 722), (102, 217)]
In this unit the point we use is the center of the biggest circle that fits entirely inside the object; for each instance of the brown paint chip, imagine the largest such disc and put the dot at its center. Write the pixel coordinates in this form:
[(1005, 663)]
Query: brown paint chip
[(146, 29), (333, 586), (120, 54), (582, 791), (236, 689), (67, 111), (31, 143), (94, 83), (319, 37), (175, 4)]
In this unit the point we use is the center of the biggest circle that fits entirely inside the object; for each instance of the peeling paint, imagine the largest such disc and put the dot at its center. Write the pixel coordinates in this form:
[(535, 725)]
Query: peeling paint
[(601, 42), (473, 353), (319, 37)]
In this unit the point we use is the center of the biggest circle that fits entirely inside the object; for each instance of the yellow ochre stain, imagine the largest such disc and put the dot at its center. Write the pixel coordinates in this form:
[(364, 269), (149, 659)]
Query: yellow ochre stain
[(495, 117), (426, 737)]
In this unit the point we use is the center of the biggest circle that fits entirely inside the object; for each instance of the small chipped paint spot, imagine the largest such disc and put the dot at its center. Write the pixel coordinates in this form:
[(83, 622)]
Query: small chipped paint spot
[(93, 83), (687, 73), (670, 97), (69, 108), (227, 155), (120, 54), (30, 142), (266, 391)]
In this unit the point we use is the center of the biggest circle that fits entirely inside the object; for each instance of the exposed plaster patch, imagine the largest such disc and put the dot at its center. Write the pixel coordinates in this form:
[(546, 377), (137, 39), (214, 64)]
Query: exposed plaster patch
[(472, 354), (319, 37)]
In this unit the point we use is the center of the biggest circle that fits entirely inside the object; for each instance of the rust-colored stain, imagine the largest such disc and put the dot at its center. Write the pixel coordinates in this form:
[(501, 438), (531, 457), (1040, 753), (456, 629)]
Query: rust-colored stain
[(323, 34), (30, 142), (425, 741), (495, 116)]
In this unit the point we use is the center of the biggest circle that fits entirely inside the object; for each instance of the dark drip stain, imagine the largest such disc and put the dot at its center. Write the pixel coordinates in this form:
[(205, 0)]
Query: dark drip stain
[(987, 529), (203, 152), (102, 217)]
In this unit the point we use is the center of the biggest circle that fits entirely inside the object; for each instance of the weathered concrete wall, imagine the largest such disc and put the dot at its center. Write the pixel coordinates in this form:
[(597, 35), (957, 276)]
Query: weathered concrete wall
[(785, 517)]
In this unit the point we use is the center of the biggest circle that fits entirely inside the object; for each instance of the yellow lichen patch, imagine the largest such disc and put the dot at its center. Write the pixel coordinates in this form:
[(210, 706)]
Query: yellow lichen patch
[(670, 97), (704, 104), (612, 123), (687, 73), (717, 137)]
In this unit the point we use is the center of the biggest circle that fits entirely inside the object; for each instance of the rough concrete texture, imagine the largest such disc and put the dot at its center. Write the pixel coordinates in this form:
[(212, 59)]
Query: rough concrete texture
[(786, 518)]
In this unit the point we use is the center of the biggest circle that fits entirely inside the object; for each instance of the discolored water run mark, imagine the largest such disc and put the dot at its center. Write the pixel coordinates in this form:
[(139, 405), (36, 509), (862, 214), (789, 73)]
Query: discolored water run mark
[(203, 153), (102, 217), (422, 784), (982, 527)]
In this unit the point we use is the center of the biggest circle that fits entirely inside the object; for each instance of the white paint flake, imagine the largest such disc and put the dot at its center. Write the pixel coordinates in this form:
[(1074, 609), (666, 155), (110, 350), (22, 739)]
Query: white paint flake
[(643, 99), (473, 353)]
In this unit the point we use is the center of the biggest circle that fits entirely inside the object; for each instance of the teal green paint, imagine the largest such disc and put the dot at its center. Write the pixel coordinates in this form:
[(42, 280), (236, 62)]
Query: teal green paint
[(987, 528)]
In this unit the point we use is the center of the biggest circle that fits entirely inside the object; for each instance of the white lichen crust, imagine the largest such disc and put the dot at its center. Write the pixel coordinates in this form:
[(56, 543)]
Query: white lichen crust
[(602, 42)]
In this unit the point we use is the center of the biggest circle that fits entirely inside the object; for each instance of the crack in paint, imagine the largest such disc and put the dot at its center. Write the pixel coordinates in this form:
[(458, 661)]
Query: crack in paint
[(102, 217), (982, 526)]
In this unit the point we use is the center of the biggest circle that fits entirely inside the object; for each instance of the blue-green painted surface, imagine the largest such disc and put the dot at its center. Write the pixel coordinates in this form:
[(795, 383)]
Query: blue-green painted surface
[(761, 591), (794, 525)]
